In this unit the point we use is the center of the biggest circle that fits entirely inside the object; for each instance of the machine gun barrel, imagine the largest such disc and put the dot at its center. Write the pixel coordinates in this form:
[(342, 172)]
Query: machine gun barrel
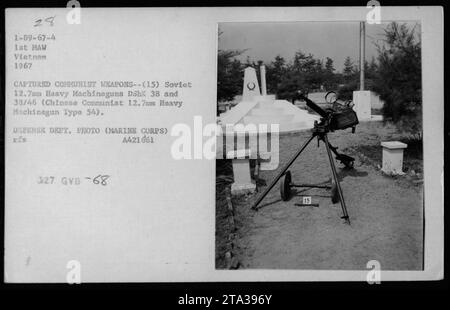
[(316, 108), (337, 119)]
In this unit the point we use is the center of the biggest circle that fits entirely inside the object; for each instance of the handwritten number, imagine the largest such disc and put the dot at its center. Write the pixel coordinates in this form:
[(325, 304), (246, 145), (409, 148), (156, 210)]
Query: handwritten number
[(101, 179), (50, 20)]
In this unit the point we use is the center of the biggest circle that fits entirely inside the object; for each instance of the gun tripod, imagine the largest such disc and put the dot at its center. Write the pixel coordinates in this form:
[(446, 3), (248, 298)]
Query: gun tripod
[(320, 131)]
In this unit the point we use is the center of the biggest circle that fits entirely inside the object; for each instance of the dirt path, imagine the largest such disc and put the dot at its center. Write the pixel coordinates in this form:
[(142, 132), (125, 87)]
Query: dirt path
[(386, 217)]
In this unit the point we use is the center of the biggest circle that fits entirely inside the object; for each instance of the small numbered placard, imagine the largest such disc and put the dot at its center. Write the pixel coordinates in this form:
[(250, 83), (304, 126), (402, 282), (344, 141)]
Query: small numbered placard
[(307, 200)]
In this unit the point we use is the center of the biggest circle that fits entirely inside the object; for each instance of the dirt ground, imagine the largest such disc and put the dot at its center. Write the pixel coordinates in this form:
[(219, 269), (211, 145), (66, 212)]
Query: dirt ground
[(386, 212)]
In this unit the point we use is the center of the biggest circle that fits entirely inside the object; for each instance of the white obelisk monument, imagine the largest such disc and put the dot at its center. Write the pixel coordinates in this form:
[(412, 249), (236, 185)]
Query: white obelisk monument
[(251, 87)]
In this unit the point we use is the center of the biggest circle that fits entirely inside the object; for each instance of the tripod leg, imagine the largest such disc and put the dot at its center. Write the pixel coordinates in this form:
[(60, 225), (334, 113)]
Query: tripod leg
[(345, 159), (333, 149), (281, 173), (338, 186)]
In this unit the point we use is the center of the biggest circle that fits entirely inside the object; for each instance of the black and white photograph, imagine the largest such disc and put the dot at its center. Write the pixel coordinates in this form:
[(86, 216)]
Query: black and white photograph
[(218, 146), (343, 186)]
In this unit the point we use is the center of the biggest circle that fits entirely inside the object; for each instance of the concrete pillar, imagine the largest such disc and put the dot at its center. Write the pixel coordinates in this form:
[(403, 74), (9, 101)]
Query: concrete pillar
[(363, 106), (243, 182), (362, 53), (393, 157), (263, 80)]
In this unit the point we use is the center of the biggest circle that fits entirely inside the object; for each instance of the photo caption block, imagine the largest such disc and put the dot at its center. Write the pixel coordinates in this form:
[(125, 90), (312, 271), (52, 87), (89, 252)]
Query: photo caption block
[(90, 175)]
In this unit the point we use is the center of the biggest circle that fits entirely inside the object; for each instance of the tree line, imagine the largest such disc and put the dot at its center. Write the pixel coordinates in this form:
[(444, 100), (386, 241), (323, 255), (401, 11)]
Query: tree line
[(284, 78)]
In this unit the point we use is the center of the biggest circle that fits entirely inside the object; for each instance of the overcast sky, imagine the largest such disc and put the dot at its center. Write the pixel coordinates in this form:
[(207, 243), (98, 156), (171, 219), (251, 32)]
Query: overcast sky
[(336, 40)]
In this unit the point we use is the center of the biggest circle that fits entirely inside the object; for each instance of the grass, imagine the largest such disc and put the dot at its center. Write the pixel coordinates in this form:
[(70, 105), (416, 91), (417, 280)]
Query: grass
[(224, 177), (370, 135), (413, 156)]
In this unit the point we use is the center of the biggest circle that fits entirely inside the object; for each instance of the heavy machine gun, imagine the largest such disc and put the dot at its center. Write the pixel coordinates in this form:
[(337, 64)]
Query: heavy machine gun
[(338, 117)]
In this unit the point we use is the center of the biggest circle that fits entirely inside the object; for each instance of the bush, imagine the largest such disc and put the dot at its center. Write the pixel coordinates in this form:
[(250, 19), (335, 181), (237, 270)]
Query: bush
[(398, 80), (345, 92)]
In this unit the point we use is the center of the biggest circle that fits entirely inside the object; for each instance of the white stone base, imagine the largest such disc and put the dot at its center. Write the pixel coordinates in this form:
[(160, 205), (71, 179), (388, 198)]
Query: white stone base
[(239, 189), (393, 157), (243, 182), (362, 101)]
